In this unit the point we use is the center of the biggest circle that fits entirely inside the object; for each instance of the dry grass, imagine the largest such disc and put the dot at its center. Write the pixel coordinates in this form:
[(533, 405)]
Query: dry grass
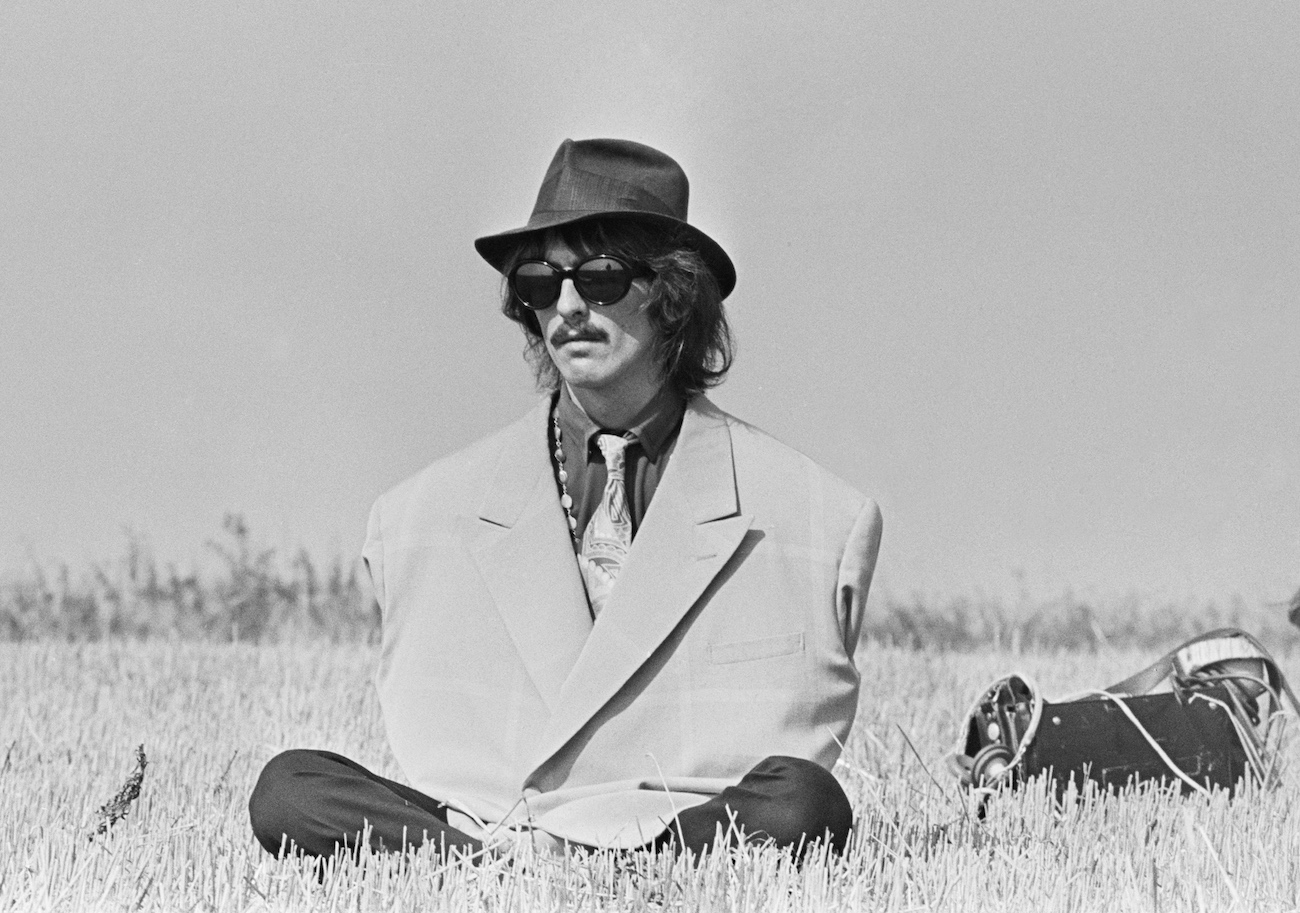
[(71, 716)]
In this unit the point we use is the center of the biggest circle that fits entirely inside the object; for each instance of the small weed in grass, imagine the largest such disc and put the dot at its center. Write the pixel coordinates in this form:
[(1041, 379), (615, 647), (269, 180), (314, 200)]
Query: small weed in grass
[(116, 808)]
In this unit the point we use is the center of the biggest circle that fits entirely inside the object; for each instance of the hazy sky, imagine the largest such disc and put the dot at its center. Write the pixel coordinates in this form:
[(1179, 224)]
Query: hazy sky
[(1027, 273)]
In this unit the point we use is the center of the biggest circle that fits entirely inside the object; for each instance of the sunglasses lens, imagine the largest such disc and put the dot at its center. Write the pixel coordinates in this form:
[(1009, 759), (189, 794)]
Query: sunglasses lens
[(537, 285), (603, 280), (600, 280)]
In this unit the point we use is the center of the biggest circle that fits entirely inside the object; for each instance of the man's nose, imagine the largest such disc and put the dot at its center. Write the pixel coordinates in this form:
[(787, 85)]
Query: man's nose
[(570, 304)]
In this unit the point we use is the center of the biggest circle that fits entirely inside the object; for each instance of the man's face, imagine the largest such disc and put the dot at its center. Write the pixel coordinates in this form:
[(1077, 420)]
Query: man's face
[(605, 349)]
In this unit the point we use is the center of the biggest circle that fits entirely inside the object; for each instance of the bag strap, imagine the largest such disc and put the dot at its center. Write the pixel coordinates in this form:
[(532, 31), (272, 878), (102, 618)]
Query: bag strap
[(1145, 681)]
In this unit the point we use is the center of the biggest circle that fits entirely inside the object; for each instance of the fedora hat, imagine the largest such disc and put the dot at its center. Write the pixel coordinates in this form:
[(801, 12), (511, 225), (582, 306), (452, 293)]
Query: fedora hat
[(602, 178)]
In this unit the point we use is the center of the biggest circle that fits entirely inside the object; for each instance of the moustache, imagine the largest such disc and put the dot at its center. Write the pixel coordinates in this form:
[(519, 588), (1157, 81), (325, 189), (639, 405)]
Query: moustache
[(577, 334)]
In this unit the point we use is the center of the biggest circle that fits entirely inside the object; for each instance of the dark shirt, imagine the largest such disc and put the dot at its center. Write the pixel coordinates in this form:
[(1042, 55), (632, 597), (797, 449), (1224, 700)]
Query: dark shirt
[(655, 430)]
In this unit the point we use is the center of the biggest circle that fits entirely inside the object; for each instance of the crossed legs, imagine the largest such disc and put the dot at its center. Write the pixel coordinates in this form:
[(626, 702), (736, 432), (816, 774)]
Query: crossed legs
[(322, 803)]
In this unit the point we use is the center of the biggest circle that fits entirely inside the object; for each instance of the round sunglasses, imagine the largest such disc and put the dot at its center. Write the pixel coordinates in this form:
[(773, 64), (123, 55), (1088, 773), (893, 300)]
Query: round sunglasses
[(601, 279)]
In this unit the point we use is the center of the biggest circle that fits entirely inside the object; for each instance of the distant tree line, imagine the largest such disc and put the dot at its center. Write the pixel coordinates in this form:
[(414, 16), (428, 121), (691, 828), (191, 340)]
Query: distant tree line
[(256, 595)]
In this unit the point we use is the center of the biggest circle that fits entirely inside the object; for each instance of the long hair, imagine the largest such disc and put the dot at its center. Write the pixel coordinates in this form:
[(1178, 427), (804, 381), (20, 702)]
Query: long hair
[(692, 345)]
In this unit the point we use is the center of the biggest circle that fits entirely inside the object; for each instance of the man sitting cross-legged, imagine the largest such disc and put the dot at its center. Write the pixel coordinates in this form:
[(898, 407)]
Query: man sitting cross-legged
[(628, 619)]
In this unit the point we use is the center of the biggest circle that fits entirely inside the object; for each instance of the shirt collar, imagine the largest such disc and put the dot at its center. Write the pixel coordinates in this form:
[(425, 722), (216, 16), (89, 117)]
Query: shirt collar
[(653, 427)]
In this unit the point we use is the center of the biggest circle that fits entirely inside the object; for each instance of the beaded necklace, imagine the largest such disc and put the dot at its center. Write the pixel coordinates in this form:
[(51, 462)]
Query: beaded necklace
[(561, 476)]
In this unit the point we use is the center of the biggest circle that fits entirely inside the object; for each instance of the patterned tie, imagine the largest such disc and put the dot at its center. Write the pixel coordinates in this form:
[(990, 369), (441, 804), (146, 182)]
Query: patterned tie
[(609, 532)]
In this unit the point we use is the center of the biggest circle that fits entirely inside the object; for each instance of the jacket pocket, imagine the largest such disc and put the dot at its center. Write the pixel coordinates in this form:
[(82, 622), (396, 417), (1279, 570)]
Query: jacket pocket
[(741, 651)]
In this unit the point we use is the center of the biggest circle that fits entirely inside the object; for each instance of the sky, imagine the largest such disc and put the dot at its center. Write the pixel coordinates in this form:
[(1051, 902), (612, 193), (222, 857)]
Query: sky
[(1026, 273)]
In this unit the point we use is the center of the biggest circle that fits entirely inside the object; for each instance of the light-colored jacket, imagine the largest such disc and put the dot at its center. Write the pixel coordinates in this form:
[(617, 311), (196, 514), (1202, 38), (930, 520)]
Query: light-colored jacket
[(729, 636)]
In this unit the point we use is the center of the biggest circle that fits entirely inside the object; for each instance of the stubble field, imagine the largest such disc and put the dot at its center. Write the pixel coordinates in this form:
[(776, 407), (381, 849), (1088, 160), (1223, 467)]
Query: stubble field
[(209, 715), (213, 673)]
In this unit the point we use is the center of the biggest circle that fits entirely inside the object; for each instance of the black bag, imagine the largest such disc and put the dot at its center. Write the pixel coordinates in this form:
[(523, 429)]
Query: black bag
[(1204, 716)]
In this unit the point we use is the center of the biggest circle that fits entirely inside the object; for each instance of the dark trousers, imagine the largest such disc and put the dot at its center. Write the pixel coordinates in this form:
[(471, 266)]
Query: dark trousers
[(321, 802)]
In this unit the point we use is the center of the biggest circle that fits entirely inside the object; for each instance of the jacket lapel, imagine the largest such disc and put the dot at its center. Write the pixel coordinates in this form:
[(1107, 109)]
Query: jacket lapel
[(689, 533), (524, 555)]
